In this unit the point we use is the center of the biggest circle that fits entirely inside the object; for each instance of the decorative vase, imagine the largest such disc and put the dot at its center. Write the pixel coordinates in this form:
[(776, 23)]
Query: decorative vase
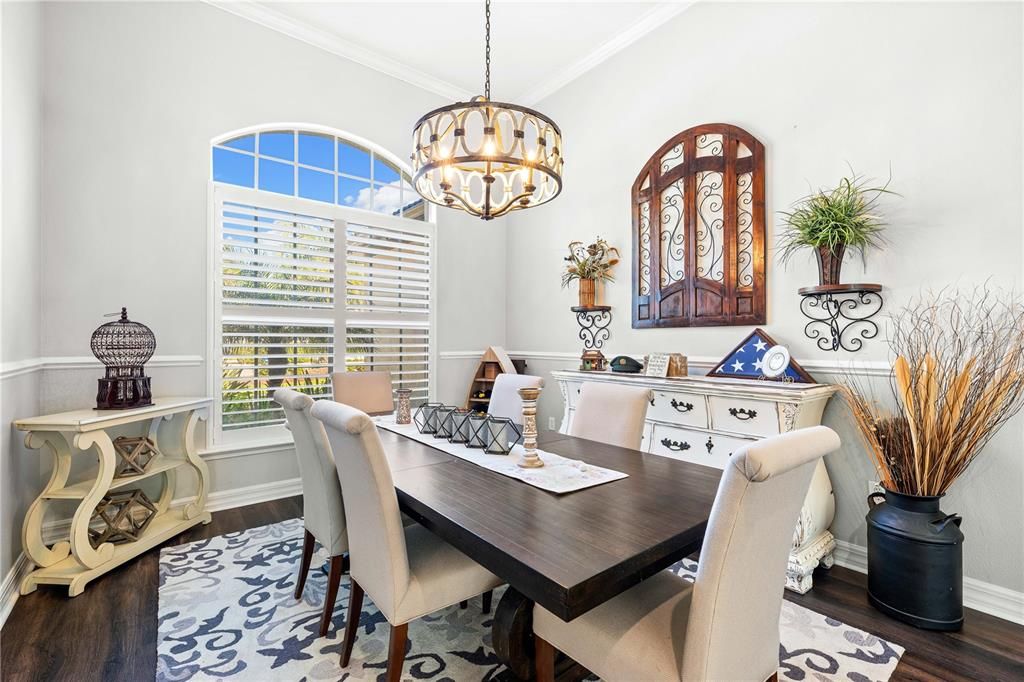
[(830, 263), (915, 561), (588, 293), (403, 415)]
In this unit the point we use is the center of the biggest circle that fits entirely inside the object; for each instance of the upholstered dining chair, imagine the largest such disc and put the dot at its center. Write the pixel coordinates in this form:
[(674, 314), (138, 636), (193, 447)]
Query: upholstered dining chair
[(370, 392), (724, 626), (408, 572), (611, 413), (322, 509), (505, 400)]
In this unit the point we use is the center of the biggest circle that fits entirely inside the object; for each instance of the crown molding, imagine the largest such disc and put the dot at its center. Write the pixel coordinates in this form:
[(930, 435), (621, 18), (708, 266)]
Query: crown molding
[(311, 35), (649, 21)]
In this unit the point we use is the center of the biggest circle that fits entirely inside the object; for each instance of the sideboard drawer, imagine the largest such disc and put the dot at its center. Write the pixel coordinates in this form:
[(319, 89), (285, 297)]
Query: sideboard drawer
[(699, 447), (572, 392), (744, 415), (687, 409)]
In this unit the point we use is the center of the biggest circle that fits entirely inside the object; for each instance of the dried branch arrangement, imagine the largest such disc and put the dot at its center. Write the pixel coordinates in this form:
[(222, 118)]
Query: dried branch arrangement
[(957, 378), (591, 261)]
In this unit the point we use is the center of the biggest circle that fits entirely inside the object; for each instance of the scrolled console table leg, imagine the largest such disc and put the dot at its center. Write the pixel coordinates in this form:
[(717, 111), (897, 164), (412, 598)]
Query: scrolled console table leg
[(32, 527), (198, 506), (81, 548)]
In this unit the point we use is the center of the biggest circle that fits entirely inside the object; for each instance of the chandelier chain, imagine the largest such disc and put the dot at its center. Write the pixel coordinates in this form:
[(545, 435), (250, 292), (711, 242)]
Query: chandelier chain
[(487, 49)]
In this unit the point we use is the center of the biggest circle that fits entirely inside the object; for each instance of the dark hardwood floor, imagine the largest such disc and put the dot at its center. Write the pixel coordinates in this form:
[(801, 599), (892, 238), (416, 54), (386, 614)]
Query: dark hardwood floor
[(109, 632)]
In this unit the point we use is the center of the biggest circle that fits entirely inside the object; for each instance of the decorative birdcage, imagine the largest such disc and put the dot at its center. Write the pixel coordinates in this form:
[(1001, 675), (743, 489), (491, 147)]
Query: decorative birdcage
[(124, 347)]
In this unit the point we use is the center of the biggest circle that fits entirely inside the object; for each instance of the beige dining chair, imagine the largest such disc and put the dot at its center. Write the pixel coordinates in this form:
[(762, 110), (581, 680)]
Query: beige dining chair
[(322, 509), (505, 400), (724, 626), (370, 392), (611, 413), (408, 572)]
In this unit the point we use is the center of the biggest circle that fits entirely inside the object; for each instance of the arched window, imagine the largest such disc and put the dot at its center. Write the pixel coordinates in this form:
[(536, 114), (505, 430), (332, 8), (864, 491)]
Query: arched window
[(319, 165), (323, 262)]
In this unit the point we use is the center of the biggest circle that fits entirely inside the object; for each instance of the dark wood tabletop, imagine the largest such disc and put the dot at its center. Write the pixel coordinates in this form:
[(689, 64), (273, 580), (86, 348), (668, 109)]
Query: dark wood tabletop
[(568, 552)]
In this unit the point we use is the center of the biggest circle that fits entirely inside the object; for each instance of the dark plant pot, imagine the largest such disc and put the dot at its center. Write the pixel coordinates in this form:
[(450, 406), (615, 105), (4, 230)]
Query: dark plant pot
[(915, 561), (830, 263)]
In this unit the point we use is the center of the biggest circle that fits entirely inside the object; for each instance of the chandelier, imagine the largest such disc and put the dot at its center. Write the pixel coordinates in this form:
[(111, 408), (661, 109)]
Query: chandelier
[(487, 158)]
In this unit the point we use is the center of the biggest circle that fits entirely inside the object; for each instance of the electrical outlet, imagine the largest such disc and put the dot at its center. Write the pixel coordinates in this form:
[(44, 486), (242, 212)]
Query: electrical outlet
[(875, 487), (551, 424)]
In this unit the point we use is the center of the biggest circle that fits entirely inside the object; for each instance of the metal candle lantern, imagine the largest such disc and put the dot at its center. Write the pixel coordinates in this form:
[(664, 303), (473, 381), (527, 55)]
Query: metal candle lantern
[(462, 431), (499, 433), (124, 347), (476, 422), (402, 416), (426, 417), (445, 416)]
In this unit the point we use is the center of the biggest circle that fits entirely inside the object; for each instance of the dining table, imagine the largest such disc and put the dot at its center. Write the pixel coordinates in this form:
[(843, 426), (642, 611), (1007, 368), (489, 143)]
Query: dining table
[(566, 552)]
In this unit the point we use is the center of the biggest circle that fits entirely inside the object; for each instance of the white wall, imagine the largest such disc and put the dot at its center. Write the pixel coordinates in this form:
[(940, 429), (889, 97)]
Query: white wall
[(931, 89), (19, 270)]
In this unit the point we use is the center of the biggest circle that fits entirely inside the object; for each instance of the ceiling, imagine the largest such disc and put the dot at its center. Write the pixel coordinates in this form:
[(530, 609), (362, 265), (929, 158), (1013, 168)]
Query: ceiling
[(536, 47)]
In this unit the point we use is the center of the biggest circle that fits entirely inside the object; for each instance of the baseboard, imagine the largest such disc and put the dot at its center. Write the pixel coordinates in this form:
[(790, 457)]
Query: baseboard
[(9, 588), (216, 501), (978, 595)]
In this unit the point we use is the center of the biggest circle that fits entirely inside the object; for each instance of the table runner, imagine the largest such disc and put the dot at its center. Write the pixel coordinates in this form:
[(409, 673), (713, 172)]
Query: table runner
[(558, 475)]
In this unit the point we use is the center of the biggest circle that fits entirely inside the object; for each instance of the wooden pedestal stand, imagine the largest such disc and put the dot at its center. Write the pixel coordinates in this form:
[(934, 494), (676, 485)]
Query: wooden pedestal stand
[(170, 423)]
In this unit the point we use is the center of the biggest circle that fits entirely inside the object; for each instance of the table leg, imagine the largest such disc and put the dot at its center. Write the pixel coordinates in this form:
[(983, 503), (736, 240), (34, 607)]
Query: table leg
[(512, 633)]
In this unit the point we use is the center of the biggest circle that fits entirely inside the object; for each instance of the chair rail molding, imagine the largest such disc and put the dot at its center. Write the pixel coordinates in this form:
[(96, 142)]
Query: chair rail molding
[(18, 367)]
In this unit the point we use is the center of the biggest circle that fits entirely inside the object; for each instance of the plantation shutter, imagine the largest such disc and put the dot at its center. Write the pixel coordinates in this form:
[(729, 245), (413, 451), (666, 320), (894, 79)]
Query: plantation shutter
[(388, 302), (277, 302)]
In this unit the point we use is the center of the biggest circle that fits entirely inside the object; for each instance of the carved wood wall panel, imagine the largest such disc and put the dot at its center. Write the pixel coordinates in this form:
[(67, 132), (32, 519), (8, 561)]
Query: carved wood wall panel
[(699, 231)]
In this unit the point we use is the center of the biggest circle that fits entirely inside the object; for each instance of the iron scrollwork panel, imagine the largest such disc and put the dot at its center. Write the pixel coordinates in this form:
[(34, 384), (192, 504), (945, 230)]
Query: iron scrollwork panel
[(594, 328), (841, 320)]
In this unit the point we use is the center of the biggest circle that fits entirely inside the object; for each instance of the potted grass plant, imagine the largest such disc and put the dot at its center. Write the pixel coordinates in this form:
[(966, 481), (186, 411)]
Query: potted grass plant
[(958, 376), (589, 264), (831, 222)]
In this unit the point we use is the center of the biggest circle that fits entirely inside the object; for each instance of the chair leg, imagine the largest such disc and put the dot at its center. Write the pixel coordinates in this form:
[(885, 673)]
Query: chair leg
[(544, 660), (774, 677), (396, 651), (487, 601), (333, 580), (355, 606), (307, 556), (463, 604)]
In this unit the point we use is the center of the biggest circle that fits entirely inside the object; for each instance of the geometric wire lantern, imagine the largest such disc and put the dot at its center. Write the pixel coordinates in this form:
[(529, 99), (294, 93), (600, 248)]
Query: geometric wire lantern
[(124, 347), (487, 158)]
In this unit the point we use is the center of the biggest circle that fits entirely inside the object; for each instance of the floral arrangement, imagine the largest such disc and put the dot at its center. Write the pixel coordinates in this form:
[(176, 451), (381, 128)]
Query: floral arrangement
[(957, 378), (593, 261)]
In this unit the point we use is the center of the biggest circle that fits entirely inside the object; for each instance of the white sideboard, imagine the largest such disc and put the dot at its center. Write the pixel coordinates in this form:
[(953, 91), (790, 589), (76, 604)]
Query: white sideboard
[(170, 424), (704, 420)]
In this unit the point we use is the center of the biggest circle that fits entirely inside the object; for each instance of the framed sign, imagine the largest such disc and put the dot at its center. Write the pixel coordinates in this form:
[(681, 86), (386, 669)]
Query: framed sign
[(657, 365)]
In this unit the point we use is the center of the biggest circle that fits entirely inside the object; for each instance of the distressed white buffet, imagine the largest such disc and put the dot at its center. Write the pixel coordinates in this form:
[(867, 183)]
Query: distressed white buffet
[(705, 419), (170, 423)]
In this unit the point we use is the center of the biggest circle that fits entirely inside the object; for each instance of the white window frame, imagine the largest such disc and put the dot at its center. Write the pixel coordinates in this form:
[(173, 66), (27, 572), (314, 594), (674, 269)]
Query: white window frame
[(221, 192)]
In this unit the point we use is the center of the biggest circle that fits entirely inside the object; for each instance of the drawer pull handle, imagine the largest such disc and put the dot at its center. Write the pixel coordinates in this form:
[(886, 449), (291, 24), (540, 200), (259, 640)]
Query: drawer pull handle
[(742, 413), (652, 402), (709, 445), (675, 445), (681, 407)]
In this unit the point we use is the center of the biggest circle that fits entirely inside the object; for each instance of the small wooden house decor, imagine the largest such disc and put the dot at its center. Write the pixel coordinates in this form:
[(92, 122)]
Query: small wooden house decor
[(125, 516), (699, 231), (494, 361), (133, 455), (123, 347)]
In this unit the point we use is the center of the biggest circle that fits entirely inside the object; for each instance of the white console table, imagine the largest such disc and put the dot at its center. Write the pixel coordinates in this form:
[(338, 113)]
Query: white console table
[(704, 420), (170, 423)]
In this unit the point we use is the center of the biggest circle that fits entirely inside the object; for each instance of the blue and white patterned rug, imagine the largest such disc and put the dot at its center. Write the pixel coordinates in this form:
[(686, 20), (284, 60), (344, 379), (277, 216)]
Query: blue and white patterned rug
[(227, 611)]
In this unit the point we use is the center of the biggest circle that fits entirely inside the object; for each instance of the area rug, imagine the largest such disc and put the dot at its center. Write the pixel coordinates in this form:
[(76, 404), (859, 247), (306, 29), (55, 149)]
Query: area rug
[(227, 611)]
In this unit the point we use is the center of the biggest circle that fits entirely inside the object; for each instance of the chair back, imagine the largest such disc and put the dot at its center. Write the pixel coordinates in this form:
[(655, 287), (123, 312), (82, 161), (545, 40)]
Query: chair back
[(379, 561), (370, 392), (505, 400), (611, 413), (323, 510), (733, 628)]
